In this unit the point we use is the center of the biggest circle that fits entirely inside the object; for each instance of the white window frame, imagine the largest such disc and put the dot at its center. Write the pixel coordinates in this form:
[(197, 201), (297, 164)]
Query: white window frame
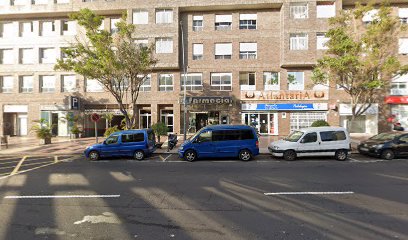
[(71, 27), (7, 30), (40, 2), (300, 120), (166, 87), (142, 42), (164, 16), (222, 86), (248, 21), (45, 59), (140, 17), (403, 46), (27, 55), (399, 85), (113, 21), (96, 86), (321, 41), (7, 56), (47, 83), (223, 50), (164, 45), (198, 51), (198, 23), (298, 41), (326, 10), (24, 87), (223, 22), (248, 50), (61, 1), (7, 84), (47, 28), (192, 86), (244, 81), (166, 116), (403, 15), (24, 27), (267, 77), (299, 10), (146, 86), (299, 85), (69, 87)]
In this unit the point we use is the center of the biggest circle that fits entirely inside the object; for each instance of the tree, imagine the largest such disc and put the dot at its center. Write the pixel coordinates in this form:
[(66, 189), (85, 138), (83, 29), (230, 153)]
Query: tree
[(361, 56), (113, 59), (160, 129)]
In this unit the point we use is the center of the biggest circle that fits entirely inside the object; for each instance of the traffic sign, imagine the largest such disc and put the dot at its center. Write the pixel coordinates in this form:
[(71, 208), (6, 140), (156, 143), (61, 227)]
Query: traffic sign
[(95, 117)]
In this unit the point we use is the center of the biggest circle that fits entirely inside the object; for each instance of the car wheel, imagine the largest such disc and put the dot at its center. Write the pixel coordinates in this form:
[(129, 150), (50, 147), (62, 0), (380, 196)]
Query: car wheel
[(341, 155), (245, 155), (190, 155), (94, 156), (289, 155), (387, 154), (139, 155)]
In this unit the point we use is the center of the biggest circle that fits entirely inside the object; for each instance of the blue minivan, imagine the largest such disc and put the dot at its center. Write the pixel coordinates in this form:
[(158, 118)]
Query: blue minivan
[(129, 143), (221, 141)]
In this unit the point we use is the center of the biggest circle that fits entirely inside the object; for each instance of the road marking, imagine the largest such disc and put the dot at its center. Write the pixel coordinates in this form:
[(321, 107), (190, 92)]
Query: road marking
[(55, 159), (18, 166), (28, 170), (162, 158), (61, 196), (308, 193), (166, 158)]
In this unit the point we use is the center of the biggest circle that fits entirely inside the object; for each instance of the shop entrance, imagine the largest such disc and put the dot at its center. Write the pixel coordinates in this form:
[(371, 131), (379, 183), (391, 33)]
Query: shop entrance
[(198, 120), (265, 123)]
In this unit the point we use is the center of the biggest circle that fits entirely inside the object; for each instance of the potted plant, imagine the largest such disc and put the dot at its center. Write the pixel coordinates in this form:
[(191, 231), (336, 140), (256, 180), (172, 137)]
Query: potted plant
[(160, 129), (43, 131), (73, 122)]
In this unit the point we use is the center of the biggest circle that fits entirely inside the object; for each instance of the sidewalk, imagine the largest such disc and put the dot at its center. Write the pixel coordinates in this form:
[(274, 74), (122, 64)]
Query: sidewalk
[(66, 146)]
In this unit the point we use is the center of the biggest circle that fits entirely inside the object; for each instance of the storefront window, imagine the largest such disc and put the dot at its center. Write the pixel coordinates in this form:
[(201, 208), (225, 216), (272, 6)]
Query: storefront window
[(264, 123), (305, 119)]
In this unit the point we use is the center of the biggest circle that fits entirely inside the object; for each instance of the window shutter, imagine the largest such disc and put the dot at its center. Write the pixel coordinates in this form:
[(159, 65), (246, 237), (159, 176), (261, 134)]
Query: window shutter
[(223, 18), (247, 16), (198, 49), (370, 15), (198, 18), (403, 45), (403, 13), (140, 17), (248, 47), (223, 49)]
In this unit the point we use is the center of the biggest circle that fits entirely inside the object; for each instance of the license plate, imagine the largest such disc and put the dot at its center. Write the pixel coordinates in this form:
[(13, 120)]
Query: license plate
[(364, 149)]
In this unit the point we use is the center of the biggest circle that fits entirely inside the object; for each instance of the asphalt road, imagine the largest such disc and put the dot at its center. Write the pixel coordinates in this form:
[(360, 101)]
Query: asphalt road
[(67, 197)]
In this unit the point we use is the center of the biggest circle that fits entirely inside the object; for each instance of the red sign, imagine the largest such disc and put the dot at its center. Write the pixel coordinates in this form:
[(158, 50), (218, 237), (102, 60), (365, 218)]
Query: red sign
[(396, 100), (95, 117)]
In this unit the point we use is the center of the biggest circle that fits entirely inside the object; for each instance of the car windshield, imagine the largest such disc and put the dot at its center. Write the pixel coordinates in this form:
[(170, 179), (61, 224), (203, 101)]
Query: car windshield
[(195, 135), (385, 136), (294, 136)]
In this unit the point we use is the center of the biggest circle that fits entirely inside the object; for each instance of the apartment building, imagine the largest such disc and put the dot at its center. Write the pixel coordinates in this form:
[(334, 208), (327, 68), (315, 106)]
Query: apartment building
[(239, 55)]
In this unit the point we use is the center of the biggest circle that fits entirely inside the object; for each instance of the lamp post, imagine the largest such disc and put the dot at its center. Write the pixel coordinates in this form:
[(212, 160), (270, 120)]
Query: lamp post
[(185, 80)]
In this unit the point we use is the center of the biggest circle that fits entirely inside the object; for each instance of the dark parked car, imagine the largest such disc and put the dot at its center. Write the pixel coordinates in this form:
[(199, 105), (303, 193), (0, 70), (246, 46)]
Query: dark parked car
[(386, 145)]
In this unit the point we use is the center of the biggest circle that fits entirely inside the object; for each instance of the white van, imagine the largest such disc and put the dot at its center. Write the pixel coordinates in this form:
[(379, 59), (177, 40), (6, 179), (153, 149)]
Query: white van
[(314, 141)]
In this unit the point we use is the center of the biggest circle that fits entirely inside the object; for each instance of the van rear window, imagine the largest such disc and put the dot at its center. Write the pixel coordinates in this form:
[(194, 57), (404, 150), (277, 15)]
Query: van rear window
[(329, 136), (138, 137)]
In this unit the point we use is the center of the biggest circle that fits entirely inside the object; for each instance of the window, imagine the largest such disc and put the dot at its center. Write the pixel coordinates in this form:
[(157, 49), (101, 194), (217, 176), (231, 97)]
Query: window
[(20, 2), (198, 49), (26, 84), (205, 136), (68, 27), (296, 81), (26, 29), (164, 16), (298, 10), (47, 28), (6, 56), (247, 50), (26, 56), (305, 119), (370, 16), (40, 2), (145, 118), (142, 42), (47, 84), (271, 81), (403, 46), (221, 81), (309, 138), (399, 85), (223, 22), (321, 41), (7, 30), (194, 82), (403, 15), (140, 17), (247, 81), (326, 9), (223, 50), (113, 27), (167, 117), (112, 139), (93, 85), (166, 82), (247, 21), (164, 45), (61, 1), (198, 23), (329, 136), (68, 83), (138, 137), (47, 55), (298, 41), (146, 85), (7, 84)]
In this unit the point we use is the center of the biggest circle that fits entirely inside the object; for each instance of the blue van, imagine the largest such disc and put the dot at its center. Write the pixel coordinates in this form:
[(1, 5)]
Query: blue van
[(221, 141), (129, 143)]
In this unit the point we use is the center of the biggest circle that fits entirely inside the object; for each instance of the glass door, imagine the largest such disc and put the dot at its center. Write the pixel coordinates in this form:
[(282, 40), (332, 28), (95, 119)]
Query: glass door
[(167, 118), (263, 123), (145, 119)]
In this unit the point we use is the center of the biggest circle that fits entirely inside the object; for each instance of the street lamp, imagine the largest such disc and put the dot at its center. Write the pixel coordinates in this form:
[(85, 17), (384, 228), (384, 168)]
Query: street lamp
[(185, 80)]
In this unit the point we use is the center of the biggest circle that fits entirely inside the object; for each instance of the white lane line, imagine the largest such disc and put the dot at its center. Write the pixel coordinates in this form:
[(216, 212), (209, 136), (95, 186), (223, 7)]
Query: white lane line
[(166, 158), (63, 196), (308, 193)]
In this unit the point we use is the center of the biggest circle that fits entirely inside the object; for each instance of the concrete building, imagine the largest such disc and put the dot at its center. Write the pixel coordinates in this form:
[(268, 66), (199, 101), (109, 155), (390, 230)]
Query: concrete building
[(239, 57)]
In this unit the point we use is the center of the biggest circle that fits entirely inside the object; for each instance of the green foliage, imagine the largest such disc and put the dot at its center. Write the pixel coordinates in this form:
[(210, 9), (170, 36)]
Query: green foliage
[(110, 130), (113, 59), (159, 129), (320, 123), (361, 57), (43, 129), (73, 122), (109, 117)]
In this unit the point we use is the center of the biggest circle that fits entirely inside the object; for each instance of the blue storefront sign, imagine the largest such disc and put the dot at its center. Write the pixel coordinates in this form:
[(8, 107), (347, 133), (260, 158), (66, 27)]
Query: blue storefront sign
[(284, 106)]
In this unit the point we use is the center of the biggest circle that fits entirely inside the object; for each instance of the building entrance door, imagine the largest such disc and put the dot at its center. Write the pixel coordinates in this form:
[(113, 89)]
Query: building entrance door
[(54, 124), (22, 125), (264, 123)]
